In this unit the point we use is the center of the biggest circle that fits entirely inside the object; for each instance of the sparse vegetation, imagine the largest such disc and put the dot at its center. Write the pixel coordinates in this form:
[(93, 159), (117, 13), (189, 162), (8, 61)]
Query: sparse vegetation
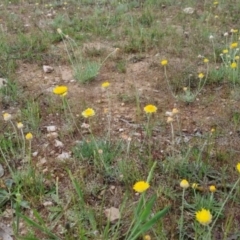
[(120, 120)]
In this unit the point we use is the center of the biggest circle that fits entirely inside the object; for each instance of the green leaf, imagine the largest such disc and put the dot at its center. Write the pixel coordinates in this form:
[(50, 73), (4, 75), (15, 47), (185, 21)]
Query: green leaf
[(147, 211), (151, 222), (143, 216), (139, 206)]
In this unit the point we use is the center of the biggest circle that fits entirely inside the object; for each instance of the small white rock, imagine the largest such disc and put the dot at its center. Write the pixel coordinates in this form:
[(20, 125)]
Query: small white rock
[(2, 82), (58, 143), (64, 156), (34, 154), (51, 128), (41, 162), (47, 203), (47, 69), (189, 10), (169, 114), (1, 170)]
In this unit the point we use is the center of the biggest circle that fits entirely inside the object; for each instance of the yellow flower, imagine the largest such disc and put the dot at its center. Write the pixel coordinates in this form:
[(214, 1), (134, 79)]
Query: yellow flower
[(105, 84), (147, 237), (212, 188), (59, 30), (234, 45), (19, 125), (205, 60), (204, 216), (216, 16), (234, 30), (89, 112), (184, 184), (234, 65), (29, 136), (164, 62), (7, 116), (194, 185), (236, 57), (150, 109), (60, 90), (238, 167), (200, 75), (225, 51), (213, 130), (141, 186), (185, 89), (169, 120), (175, 111), (215, 3)]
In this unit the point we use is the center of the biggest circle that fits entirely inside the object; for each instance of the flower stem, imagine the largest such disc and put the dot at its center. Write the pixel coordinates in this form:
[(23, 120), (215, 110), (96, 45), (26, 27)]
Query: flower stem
[(181, 218), (220, 210)]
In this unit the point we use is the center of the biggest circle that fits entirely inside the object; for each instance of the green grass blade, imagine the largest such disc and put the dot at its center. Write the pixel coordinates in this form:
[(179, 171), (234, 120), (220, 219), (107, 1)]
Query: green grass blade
[(43, 229), (150, 223)]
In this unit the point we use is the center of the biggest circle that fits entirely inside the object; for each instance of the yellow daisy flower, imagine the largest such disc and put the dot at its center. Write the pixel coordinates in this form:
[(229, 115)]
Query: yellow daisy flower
[(212, 188), (141, 186), (105, 84), (150, 109), (194, 185), (200, 75), (204, 217), (89, 112), (164, 62), (7, 117), (234, 30), (184, 184), (238, 167), (60, 90), (234, 65), (19, 125), (29, 136), (147, 237), (234, 45)]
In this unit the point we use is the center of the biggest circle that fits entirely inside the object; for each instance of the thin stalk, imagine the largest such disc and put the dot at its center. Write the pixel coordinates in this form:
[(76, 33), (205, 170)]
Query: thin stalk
[(15, 130), (100, 156), (24, 143), (109, 116), (108, 56), (224, 203), (181, 218), (214, 53), (166, 77), (29, 154), (172, 133), (201, 87), (9, 168), (70, 111)]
